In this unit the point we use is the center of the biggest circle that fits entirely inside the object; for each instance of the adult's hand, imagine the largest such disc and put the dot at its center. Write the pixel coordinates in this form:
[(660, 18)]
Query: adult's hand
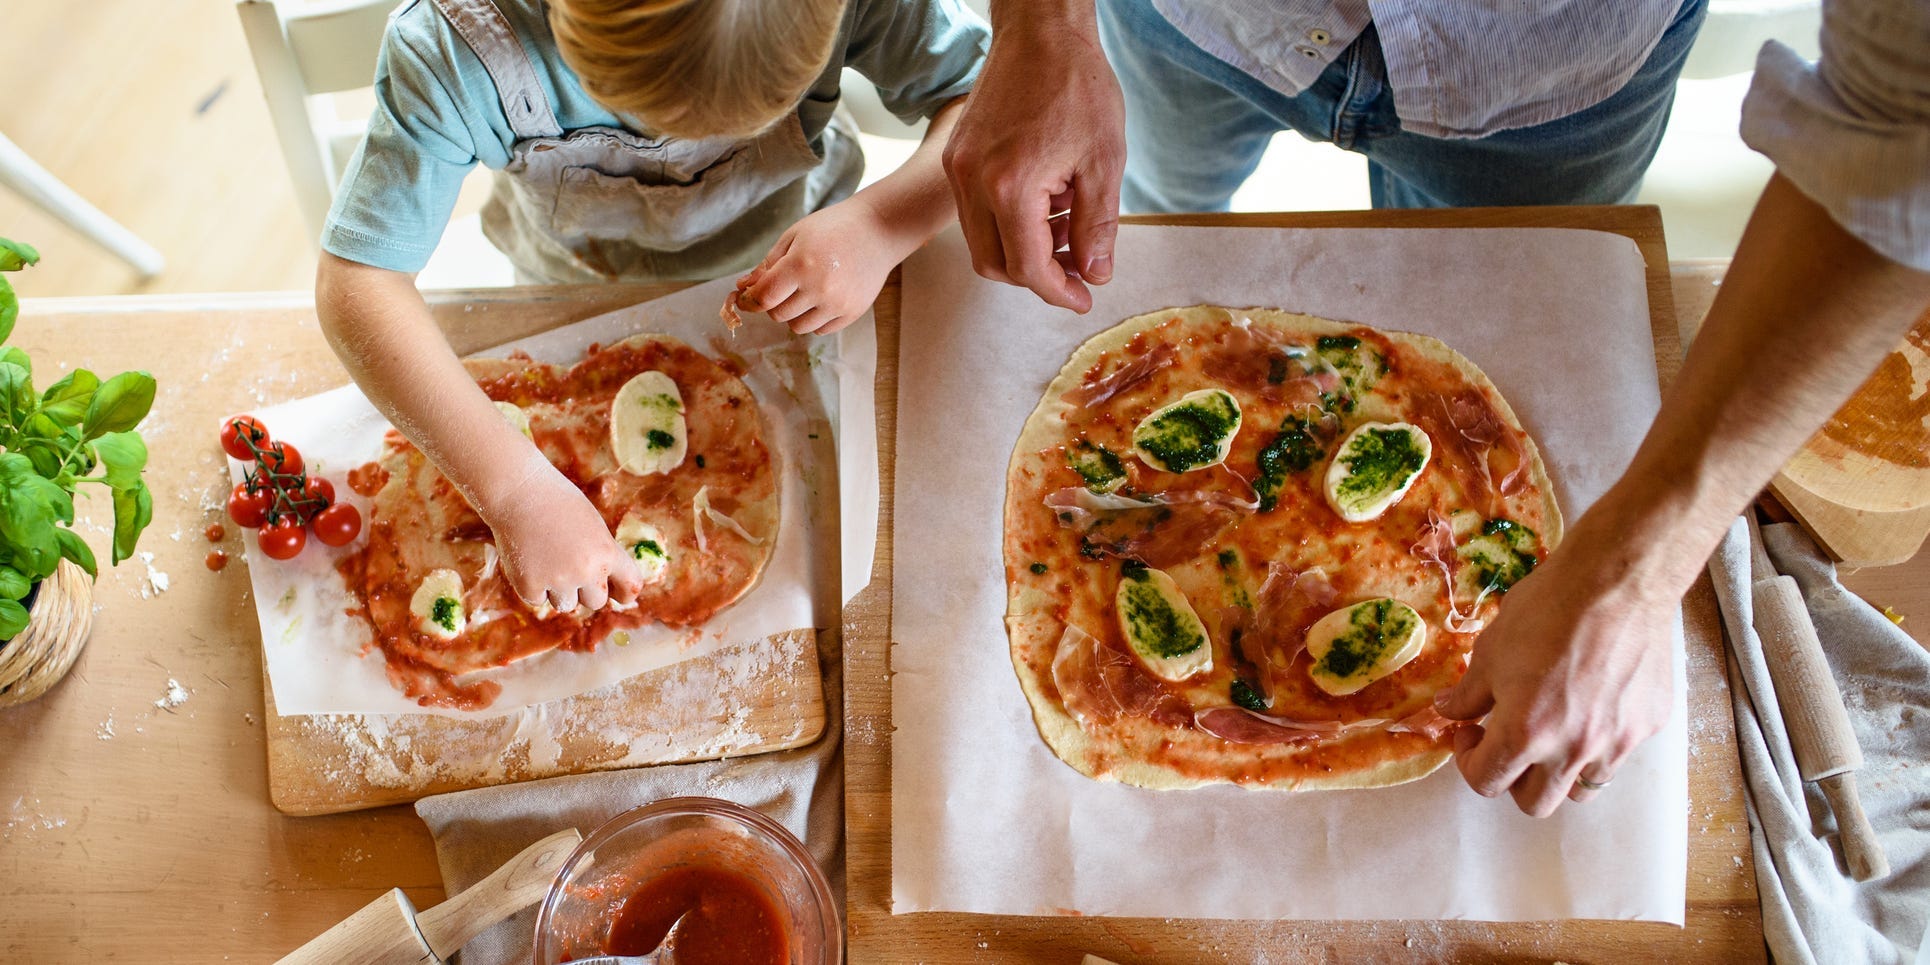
[(1571, 677), (1044, 133)]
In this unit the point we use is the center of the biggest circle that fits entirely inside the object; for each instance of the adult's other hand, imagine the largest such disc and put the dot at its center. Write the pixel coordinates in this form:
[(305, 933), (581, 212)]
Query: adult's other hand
[(1043, 135)]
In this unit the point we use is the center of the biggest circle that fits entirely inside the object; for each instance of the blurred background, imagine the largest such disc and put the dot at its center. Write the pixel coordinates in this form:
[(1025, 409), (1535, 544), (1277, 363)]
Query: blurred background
[(147, 125)]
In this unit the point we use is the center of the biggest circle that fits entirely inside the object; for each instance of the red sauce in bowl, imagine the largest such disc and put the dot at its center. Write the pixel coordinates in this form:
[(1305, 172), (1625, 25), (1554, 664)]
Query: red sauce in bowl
[(730, 920)]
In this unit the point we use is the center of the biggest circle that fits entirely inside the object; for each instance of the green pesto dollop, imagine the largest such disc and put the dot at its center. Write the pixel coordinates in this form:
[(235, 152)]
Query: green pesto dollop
[(1189, 434), (1373, 628), (646, 547), (443, 613), (1038, 569), (1294, 449), (1246, 695), (1500, 557), (659, 439), (1360, 366), (1155, 627), (1378, 461), (1097, 465)]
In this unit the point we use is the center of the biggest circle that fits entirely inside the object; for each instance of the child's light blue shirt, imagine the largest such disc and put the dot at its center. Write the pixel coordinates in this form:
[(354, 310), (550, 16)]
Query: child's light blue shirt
[(437, 112)]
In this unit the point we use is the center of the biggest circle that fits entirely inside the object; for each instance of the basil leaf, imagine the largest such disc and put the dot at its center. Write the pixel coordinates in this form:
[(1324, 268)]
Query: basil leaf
[(120, 403), (123, 455), (9, 309), (66, 401), (28, 524), (40, 426), (20, 482), (17, 357), (133, 510), (13, 619), (15, 255), (13, 583), (16, 390), (72, 547)]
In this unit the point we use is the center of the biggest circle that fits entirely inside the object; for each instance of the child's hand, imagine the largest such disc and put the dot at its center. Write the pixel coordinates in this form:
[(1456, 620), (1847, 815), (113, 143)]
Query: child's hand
[(826, 271), (555, 546)]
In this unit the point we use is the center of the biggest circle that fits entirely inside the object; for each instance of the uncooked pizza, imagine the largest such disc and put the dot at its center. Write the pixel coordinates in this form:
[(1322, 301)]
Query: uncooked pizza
[(666, 442), (1249, 547)]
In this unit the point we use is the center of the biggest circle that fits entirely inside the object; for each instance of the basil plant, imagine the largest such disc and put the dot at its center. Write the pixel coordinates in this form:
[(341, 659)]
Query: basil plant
[(79, 430)]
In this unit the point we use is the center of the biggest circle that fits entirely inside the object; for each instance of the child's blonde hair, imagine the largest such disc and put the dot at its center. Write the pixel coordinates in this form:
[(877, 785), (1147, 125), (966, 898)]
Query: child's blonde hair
[(697, 68)]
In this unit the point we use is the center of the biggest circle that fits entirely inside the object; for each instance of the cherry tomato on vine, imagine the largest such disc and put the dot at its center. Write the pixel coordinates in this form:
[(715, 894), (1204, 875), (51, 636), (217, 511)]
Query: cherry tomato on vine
[(282, 457), (338, 524), (284, 540), (238, 427), (248, 507), (314, 488)]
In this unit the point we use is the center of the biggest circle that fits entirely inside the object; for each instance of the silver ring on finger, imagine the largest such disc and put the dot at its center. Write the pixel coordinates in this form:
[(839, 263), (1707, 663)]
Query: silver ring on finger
[(1588, 785)]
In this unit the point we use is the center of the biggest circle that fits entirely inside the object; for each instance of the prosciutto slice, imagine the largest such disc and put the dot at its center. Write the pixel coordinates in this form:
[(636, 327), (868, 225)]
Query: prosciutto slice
[(1426, 722), (1099, 684), (1159, 530), (1434, 547), (1470, 428), (1094, 392), (1264, 362), (1241, 726)]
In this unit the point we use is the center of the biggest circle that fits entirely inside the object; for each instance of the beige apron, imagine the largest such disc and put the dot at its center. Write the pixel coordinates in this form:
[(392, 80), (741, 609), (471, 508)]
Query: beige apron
[(607, 204)]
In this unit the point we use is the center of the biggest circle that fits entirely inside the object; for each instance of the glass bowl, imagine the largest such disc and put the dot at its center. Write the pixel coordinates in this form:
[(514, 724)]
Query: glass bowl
[(683, 832)]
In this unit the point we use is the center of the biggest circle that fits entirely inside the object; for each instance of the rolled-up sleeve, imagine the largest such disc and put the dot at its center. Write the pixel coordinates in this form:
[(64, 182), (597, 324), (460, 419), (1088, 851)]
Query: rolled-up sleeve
[(919, 54), (403, 180), (1852, 130)]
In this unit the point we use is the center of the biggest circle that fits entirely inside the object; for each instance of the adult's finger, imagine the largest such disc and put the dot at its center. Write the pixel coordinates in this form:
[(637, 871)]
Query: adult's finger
[(1541, 789), (1095, 221), (1027, 240), (1598, 774), (976, 218), (1489, 760), (1471, 699), (625, 583)]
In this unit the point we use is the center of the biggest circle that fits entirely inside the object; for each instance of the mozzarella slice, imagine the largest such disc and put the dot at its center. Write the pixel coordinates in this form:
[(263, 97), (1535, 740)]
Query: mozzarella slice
[(1359, 644), (644, 543), (647, 429), (437, 605), (1374, 467), (1194, 432), (1160, 625), (515, 416)]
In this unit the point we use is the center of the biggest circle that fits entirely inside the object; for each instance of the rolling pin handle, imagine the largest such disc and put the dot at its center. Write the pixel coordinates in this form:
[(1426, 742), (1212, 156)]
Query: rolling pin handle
[(1861, 850)]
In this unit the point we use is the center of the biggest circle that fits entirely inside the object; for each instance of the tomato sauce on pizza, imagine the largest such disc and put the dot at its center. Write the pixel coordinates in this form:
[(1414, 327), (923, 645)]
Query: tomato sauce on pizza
[(1250, 547), (704, 526)]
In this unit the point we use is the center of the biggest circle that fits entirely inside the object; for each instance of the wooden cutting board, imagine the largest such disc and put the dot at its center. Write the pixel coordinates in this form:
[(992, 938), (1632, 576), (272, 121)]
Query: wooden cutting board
[(744, 700), (1861, 486), (1723, 918)]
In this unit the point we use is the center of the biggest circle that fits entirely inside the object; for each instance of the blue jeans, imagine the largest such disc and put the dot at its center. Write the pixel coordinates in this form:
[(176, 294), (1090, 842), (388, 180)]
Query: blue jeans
[(1196, 126)]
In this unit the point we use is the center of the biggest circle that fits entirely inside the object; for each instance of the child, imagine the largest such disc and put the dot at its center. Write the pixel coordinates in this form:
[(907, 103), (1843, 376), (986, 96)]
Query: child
[(633, 140)]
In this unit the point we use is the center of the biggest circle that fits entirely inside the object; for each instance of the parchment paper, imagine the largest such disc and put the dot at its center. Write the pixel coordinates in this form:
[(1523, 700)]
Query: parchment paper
[(313, 648), (986, 819)]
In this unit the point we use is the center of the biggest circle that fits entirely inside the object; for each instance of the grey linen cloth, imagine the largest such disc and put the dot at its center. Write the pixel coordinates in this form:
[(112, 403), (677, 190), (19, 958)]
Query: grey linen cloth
[(1812, 911), (803, 789)]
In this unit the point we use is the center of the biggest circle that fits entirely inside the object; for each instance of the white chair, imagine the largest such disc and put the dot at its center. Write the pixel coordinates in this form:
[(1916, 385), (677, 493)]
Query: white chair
[(304, 54), (33, 182)]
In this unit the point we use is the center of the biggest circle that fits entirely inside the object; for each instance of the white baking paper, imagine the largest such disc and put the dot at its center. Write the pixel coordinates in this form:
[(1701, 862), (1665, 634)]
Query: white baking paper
[(986, 819), (314, 648)]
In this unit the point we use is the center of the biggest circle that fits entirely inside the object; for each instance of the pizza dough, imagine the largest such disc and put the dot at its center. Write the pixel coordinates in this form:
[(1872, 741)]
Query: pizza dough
[(701, 529), (1259, 551)]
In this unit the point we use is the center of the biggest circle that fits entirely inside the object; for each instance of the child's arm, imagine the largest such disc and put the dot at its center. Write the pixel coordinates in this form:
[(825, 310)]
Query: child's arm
[(826, 271), (553, 543)]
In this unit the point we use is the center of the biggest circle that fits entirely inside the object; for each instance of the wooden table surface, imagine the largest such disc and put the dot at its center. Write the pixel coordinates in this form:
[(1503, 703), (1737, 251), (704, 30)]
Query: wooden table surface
[(133, 831)]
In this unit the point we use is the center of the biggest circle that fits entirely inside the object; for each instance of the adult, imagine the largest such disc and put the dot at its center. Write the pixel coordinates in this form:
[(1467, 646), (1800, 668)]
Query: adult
[(1832, 270)]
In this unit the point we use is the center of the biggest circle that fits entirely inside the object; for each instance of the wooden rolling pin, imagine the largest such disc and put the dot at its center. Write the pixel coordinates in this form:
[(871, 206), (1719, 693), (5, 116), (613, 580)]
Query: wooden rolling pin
[(1819, 725), (389, 931)]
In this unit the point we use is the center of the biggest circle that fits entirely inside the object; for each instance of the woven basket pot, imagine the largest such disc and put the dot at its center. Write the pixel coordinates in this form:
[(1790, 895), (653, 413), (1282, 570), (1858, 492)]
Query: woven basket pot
[(57, 625)]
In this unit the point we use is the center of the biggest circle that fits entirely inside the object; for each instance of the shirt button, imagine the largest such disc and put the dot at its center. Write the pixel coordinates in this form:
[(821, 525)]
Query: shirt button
[(1319, 36), (1308, 52)]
